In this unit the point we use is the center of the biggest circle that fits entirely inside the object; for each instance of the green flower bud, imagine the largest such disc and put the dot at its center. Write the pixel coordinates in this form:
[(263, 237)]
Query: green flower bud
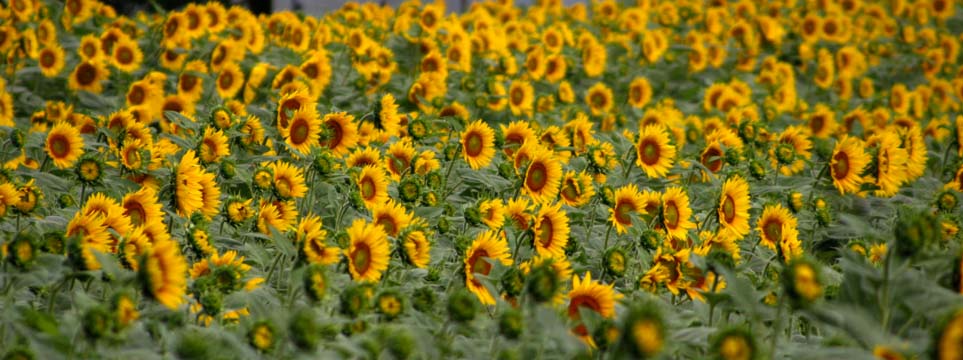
[(802, 282), (400, 343), (462, 306), (643, 333), (543, 283), (424, 299), (96, 322), (513, 282), (315, 282), (390, 304), (409, 189), (262, 335), (354, 301), (511, 324), (735, 344), (304, 329), (615, 261)]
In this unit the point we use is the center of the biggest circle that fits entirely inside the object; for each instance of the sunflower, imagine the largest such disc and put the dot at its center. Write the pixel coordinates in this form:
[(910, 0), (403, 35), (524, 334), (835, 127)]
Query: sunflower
[(373, 186), (796, 139), (577, 189), (492, 213), (340, 132), (101, 205), (734, 207), (555, 68), (304, 130), (190, 82), (627, 201), (561, 268), (551, 230), (268, 217), (131, 247), (92, 234), (543, 176), (188, 188), (64, 145), (676, 212), (515, 135), (142, 207), (599, 99), (361, 157), (288, 180), (229, 80), (890, 163), (210, 195), (640, 92), (126, 55), (590, 295), (654, 153), (391, 216), (848, 162), (163, 272), (213, 146), (51, 60), (778, 227), (399, 158), (368, 253), (488, 247), (417, 248), (478, 144), (521, 97), (88, 76), (9, 197)]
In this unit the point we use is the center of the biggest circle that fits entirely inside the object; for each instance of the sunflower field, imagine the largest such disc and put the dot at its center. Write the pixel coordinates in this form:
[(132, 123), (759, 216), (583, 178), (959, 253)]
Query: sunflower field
[(746, 179)]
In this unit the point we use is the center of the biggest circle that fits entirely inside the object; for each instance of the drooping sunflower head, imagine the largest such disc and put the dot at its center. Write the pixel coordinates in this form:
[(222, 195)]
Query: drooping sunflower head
[(164, 274)]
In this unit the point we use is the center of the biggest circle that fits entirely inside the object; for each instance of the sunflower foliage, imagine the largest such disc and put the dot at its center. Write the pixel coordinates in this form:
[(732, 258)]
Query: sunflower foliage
[(610, 179)]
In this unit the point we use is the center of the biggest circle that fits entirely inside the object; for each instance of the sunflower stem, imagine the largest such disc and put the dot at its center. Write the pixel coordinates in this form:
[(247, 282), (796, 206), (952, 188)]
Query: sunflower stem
[(777, 327), (712, 304), (273, 266), (608, 232), (884, 299)]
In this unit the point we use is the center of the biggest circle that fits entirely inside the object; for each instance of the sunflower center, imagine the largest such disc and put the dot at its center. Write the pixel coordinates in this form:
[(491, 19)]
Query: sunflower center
[(649, 152), (635, 93), (125, 55), (773, 230), (817, 124), (59, 146), (311, 71), (47, 59), (840, 165), (474, 144), (367, 188), (336, 134), (582, 301), (136, 213), (518, 95), (479, 264), (712, 158), (188, 82), (388, 224), (226, 80), (537, 176), (361, 258), (570, 190), (86, 74), (729, 209), (671, 215), (546, 232), (598, 100), (622, 211), (136, 96), (299, 131)]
